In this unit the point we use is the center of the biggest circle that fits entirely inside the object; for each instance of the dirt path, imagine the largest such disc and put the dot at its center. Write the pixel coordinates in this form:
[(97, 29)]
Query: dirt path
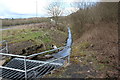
[(6, 29)]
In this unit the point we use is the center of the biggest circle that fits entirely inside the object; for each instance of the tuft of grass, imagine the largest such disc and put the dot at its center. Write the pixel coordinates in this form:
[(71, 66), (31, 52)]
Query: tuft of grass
[(100, 66), (84, 45), (82, 55)]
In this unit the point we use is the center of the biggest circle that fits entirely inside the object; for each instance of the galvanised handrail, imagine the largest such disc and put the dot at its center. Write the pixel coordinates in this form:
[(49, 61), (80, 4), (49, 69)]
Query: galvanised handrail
[(6, 48), (12, 69), (14, 55), (68, 46), (20, 56), (46, 62), (45, 52)]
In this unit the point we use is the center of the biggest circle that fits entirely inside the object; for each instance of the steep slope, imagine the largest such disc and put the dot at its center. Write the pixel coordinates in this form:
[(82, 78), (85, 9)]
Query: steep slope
[(100, 43), (94, 54)]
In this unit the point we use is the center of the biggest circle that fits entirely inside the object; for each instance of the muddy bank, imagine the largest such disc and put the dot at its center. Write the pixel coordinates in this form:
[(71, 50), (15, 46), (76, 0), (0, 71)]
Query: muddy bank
[(16, 48), (24, 48)]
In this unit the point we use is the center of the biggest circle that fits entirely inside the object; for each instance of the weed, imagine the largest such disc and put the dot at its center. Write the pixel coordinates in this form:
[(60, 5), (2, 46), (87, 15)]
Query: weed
[(84, 45)]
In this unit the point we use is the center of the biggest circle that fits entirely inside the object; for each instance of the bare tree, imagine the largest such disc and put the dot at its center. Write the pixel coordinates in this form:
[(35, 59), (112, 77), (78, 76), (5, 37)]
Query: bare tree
[(55, 10), (80, 17)]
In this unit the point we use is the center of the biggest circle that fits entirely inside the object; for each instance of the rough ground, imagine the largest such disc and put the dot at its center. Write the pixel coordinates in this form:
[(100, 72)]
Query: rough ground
[(26, 45), (47, 30), (94, 54)]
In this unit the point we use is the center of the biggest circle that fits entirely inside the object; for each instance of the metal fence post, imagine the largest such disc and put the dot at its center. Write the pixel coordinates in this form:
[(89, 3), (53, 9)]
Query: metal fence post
[(25, 68), (7, 46), (34, 74)]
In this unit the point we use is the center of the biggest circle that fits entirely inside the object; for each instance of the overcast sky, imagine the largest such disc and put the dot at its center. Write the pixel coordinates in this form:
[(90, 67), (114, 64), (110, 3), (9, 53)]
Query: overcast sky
[(23, 8), (27, 8)]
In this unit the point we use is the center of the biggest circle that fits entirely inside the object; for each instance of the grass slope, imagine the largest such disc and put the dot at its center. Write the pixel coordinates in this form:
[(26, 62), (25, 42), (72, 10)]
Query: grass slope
[(23, 36), (94, 54)]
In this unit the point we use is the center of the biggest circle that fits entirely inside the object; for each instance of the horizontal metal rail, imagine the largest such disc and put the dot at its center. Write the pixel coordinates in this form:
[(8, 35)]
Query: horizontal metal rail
[(36, 61), (45, 52), (44, 63), (12, 69), (5, 54), (68, 45), (30, 55)]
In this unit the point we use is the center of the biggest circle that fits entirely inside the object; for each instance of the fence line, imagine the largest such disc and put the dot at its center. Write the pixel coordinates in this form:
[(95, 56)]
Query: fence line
[(68, 46)]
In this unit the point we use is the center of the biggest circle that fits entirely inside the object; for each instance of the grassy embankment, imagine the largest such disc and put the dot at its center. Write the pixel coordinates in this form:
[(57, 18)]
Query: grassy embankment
[(95, 43), (26, 40), (37, 35)]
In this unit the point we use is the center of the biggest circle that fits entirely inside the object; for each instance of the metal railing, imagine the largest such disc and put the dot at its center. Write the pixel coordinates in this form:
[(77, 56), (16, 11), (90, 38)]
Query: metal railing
[(6, 46), (68, 46), (25, 57)]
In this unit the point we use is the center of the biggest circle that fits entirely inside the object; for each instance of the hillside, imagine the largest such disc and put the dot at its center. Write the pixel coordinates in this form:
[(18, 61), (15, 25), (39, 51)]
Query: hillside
[(100, 43), (94, 54), (32, 38), (95, 46), (95, 41)]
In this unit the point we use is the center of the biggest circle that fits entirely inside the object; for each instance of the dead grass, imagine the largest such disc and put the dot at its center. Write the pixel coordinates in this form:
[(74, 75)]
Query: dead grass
[(13, 22), (103, 39)]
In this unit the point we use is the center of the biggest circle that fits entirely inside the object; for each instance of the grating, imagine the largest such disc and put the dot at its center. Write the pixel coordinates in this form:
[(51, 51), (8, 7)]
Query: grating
[(18, 63)]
